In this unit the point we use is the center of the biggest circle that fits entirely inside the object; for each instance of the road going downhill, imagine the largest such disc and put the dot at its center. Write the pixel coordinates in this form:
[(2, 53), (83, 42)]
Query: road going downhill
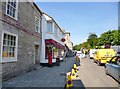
[(93, 75), (89, 75)]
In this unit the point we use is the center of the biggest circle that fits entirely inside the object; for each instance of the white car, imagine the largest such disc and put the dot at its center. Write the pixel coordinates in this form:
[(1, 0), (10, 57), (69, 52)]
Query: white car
[(92, 52), (80, 54)]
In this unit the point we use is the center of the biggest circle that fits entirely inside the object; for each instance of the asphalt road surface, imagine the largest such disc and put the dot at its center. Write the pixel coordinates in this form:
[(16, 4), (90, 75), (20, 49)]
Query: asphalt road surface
[(89, 75), (93, 75)]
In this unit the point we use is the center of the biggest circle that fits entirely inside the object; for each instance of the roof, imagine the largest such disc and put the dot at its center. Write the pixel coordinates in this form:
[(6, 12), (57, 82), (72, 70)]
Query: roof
[(67, 33), (37, 8)]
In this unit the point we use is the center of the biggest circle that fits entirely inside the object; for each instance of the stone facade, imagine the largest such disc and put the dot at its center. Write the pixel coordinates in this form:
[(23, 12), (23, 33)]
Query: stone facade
[(68, 45), (29, 41), (68, 42)]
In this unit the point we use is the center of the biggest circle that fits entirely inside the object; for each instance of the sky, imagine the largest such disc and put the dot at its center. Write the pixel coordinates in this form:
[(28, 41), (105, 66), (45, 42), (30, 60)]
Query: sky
[(82, 18)]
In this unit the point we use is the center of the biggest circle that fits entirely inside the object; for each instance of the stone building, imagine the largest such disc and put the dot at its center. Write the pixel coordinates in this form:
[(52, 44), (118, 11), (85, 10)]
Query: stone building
[(68, 42), (20, 37)]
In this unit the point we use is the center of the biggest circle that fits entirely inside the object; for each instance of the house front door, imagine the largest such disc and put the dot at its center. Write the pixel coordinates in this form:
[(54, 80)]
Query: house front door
[(36, 60)]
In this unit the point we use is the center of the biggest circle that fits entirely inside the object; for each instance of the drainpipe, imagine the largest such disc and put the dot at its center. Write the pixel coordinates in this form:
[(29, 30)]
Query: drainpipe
[(41, 36)]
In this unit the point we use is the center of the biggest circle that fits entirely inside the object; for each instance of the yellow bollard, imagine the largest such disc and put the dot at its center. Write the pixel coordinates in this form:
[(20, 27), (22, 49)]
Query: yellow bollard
[(73, 74), (75, 68), (77, 59), (69, 82)]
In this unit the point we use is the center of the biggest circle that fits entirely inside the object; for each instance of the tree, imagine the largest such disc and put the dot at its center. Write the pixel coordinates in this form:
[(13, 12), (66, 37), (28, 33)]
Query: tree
[(92, 40), (116, 34), (110, 37), (76, 47)]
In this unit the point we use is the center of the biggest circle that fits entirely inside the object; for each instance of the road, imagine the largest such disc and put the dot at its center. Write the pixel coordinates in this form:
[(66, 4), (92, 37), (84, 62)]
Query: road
[(93, 75), (89, 75)]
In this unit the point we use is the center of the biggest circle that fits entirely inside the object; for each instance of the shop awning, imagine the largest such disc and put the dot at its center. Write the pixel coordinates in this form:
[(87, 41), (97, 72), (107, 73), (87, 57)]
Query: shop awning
[(54, 43)]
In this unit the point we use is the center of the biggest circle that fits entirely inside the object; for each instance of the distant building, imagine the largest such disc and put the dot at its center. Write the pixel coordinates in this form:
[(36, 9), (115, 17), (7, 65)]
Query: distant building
[(20, 37), (68, 42)]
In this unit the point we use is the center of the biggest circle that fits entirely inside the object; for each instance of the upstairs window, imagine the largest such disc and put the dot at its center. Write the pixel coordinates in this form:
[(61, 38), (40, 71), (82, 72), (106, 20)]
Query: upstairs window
[(56, 30), (37, 25), (12, 8), (49, 27)]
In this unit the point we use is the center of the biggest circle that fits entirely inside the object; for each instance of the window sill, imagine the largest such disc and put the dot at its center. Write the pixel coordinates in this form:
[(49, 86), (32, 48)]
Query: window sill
[(11, 17), (37, 32), (49, 32), (7, 60)]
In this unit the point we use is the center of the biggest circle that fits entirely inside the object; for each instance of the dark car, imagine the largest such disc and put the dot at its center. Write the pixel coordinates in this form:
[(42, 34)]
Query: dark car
[(113, 67)]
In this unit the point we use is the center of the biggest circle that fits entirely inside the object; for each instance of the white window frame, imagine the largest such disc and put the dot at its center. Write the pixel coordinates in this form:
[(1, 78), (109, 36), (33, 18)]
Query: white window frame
[(56, 30), (36, 25), (52, 27), (61, 34), (9, 59), (16, 12)]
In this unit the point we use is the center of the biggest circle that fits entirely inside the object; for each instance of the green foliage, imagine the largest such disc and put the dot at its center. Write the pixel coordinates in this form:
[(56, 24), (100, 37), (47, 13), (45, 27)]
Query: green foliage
[(110, 37), (93, 41), (106, 37), (116, 40), (55, 50)]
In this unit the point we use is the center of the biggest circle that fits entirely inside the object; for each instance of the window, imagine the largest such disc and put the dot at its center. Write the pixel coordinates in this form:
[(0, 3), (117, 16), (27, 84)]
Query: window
[(12, 8), (114, 60), (9, 47), (55, 30), (49, 27), (118, 61), (55, 52), (37, 25), (58, 31)]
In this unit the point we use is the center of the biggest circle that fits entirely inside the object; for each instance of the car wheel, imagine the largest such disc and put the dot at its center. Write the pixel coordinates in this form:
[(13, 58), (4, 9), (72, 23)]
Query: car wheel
[(98, 63), (106, 72), (94, 61)]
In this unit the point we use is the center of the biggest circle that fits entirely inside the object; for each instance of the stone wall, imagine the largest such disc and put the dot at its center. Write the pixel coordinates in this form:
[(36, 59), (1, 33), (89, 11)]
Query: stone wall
[(24, 27)]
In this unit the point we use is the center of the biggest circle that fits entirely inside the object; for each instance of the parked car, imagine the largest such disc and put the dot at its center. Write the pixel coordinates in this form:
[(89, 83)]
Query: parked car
[(79, 54), (95, 56), (92, 53), (104, 55), (113, 68)]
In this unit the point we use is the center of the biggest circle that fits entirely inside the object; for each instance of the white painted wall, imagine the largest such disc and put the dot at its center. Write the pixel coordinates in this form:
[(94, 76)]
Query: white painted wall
[(46, 35)]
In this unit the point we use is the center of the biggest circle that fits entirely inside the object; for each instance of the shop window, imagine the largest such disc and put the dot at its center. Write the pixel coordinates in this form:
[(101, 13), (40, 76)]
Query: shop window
[(55, 52), (46, 52)]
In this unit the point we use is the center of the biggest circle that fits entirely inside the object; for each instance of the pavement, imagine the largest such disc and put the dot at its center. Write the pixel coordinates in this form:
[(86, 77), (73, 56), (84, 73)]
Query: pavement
[(93, 75), (44, 77)]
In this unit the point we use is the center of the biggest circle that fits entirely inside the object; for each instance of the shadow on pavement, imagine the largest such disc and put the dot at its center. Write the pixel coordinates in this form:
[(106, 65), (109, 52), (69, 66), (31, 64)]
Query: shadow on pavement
[(77, 84)]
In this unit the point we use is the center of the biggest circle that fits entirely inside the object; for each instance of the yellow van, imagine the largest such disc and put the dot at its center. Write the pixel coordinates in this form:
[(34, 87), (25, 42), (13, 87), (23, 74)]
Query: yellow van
[(95, 56), (104, 55)]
